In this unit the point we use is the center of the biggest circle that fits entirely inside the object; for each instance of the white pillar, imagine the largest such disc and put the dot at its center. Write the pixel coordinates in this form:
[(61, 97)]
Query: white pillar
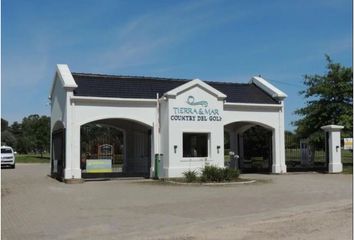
[(72, 169), (334, 151), (76, 150), (275, 155), (68, 139), (156, 147), (278, 139), (283, 168), (278, 147), (153, 150)]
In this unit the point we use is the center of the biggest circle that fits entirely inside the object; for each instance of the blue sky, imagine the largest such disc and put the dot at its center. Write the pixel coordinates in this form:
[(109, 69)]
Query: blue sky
[(210, 40)]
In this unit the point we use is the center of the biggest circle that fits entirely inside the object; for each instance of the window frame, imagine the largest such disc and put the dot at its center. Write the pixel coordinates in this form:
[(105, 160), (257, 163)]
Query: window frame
[(207, 145)]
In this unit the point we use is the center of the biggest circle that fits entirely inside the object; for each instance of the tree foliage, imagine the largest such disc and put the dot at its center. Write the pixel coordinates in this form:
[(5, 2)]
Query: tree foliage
[(329, 100), (257, 141), (37, 130), (291, 140), (4, 124), (32, 135), (7, 138)]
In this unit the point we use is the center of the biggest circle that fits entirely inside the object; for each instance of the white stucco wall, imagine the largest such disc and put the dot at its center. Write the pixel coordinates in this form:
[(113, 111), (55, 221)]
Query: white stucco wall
[(58, 112), (262, 115), (268, 116), (58, 103), (85, 110), (164, 139), (177, 164)]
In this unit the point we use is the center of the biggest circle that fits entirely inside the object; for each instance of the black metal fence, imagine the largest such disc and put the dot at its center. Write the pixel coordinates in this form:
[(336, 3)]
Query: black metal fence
[(306, 154)]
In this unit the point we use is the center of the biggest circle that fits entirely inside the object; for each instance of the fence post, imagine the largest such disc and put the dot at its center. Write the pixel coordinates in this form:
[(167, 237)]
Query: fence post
[(334, 150)]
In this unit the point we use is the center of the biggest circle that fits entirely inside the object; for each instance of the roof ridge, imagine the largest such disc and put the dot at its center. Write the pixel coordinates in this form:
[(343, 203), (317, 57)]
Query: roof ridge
[(231, 83), (151, 78), (129, 76)]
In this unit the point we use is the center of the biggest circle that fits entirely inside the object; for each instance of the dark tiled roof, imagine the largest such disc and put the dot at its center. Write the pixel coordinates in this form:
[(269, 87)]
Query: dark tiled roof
[(96, 85)]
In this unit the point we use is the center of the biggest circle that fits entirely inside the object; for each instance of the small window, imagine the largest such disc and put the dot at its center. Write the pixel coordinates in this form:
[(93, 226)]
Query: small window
[(195, 144)]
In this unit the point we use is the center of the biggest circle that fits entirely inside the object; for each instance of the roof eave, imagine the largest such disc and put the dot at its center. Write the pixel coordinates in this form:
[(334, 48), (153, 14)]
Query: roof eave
[(67, 80), (268, 88)]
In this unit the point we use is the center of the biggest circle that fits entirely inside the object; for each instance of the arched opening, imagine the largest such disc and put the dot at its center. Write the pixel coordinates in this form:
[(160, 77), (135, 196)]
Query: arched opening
[(115, 148), (250, 145), (58, 150)]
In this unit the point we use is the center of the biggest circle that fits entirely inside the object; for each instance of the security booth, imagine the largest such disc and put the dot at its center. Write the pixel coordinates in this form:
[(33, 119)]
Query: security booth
[(121, 126)]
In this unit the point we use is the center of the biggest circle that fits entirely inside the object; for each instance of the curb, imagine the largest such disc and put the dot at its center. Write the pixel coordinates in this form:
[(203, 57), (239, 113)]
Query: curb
[(211, 184)]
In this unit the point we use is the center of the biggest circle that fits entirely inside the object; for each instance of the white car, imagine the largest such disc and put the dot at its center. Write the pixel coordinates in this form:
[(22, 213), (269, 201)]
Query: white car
[(7, 157)]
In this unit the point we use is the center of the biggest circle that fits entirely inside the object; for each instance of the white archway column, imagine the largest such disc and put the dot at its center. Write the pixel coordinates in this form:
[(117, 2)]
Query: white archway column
[(153, 148), (76, 157), (278, 147), (72, 169)]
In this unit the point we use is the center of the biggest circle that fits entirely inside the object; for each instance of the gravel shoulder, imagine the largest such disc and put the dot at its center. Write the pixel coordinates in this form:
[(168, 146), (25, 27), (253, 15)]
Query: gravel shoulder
[(292, 206)]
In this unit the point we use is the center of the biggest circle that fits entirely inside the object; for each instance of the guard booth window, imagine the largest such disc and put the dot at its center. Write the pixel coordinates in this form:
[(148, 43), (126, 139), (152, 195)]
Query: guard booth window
[(195, 144)]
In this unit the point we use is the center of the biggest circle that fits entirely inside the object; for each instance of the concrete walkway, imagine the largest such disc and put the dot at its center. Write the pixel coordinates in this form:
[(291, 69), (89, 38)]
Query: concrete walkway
[(292, 206)]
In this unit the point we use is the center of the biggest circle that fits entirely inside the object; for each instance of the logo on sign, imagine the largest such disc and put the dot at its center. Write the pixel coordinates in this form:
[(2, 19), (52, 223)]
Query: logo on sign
[(191, 101)]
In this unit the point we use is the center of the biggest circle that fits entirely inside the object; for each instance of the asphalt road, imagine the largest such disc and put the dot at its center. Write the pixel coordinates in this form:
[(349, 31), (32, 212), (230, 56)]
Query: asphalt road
[(291, 206)]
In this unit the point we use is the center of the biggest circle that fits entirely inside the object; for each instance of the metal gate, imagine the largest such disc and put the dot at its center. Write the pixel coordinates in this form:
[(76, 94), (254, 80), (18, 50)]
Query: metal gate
[(306, 154), (256, 156)]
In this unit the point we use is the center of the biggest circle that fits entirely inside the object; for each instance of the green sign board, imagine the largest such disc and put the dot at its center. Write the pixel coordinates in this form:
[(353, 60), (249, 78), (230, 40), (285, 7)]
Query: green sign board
[(98, 165)]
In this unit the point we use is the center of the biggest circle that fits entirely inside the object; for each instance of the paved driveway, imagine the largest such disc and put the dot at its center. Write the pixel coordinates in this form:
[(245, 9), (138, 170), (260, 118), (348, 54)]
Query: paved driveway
[(292, 206)]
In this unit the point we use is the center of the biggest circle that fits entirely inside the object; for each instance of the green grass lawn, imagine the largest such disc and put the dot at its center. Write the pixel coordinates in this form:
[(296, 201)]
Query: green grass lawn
[(347, 160), (347, 156), (32, 158), (347, 169)]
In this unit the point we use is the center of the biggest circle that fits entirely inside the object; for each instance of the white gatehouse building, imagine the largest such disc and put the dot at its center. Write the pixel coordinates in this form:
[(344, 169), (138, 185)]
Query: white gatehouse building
[(112, 126)]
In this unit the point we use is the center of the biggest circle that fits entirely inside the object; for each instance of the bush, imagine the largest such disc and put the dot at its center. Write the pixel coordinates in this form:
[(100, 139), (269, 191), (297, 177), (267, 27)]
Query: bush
[(190, 176), (230, 174), (216, 174), (212, 174)]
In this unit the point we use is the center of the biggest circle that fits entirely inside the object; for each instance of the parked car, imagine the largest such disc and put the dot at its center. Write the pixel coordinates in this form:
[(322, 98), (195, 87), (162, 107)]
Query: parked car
[(7, 156)]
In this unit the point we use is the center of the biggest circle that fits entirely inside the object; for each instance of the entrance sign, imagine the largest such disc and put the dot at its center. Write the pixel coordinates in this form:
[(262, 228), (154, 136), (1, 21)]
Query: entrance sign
[(195, 114), (98, 165), (348, 143)]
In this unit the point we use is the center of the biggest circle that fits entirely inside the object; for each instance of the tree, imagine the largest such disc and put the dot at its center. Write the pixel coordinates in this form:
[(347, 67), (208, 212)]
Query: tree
[(257, 141), (35, 133), (32, 135), (7, 138), (4, 124), (291, 140), (329, 101)]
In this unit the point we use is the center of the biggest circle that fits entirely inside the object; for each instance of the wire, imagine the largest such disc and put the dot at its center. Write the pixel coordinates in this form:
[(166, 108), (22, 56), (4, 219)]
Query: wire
[(287, 83)]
